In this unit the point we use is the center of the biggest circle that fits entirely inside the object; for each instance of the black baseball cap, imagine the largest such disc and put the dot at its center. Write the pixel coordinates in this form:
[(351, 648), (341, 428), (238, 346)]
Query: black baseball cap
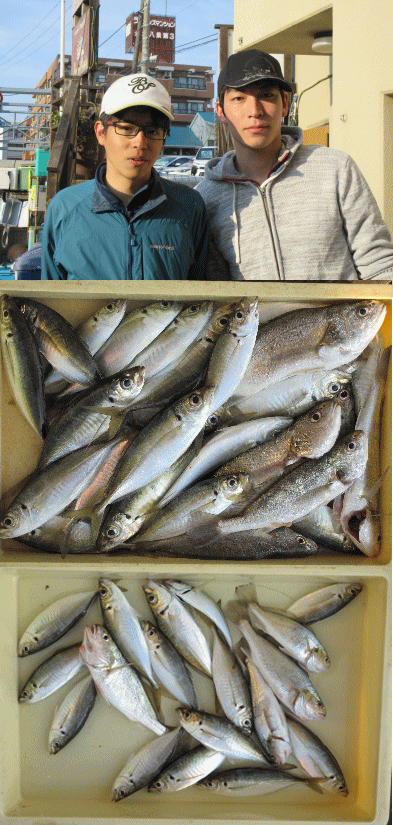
[(247, 67)]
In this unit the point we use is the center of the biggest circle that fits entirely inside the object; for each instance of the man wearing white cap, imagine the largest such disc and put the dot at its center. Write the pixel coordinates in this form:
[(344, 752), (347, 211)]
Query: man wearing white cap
[(128, 223)]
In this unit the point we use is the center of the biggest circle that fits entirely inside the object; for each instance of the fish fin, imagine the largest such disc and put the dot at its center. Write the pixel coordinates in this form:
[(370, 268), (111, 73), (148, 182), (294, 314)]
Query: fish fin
[(374, 489), (247, 592), (314, 783), (236, 610)]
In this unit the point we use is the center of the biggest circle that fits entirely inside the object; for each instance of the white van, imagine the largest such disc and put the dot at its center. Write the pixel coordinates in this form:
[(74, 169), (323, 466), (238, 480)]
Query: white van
[(202, 156)]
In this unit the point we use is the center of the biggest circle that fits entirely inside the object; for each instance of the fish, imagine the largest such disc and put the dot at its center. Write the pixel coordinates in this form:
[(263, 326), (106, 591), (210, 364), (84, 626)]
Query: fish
[(125, 627), (202, 602), (54, 622), (127, 515), (360, 512), (306, 487), (324, 602), (22, 365), (49, 492), (288, 681), (94, 331), (306, 339), (230, 685), (96, 415), (249, 781), (146, 763), (136, 330), (176, 622), (186, 770), (72, 714), (311, 435), (58, 342), (223, 446), (160, 444), (269, 719), (174, 339), (316, 758), (232, 351), (116, 679), (294, 639), (52, 674), (168, 666), (220, 734), (293, 396), (196, 506), (321, 526)]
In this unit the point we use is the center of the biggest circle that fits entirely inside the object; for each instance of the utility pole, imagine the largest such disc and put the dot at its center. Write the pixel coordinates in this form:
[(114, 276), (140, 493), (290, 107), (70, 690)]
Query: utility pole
[(145, 37), (137, 46), (62, 38)]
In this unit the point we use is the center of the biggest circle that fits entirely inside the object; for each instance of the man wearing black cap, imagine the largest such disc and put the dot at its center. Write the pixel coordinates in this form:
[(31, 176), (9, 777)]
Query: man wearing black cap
[(280, 210)]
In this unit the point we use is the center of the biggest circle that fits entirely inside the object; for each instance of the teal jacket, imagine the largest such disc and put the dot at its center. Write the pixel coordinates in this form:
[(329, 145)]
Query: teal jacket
[(90, 234)]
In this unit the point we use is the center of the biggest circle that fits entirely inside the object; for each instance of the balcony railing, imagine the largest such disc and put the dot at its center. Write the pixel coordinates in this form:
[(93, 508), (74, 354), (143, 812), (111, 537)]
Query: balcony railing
[(189, 83)]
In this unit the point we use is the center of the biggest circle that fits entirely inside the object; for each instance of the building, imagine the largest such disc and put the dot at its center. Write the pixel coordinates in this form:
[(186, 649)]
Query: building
[(191, 89), (355, 105)]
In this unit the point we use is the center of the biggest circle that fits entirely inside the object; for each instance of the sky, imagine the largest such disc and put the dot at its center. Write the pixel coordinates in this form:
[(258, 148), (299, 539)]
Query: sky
[(30, 36)]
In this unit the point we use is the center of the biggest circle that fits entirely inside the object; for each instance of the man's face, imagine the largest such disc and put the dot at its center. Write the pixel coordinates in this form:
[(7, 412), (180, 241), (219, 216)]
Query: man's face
[(253, 115), (129, 159)]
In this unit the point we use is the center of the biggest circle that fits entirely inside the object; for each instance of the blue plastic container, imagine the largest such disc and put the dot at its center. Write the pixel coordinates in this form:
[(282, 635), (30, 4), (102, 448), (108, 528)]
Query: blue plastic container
[(28, 266)]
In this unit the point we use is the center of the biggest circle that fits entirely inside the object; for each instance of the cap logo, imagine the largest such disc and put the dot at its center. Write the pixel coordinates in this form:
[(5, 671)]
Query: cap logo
[(140, 85)]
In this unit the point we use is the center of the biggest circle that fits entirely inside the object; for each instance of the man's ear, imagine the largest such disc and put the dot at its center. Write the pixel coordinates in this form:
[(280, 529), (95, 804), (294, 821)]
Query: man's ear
[(100, 132), (220, 112), (285, 107)]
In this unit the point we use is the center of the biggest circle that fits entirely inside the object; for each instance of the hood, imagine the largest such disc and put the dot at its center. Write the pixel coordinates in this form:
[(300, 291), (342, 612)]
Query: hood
[(224, 168)]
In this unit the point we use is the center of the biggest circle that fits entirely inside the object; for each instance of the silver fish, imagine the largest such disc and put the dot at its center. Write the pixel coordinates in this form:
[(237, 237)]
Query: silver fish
[(318, 338), (249, 781), (54, 622), (324, 602), (171, 343), (96, 415), (231, 686), (202, 602), (219, 734), (316, 758), (223, 446), (116, 679), (187, 770), (49, 492), (321, 525), (72, 714), (93, 332), (296, 640), (52, 674), (160, 444), (147, 763), (168, 666), (196, 507), (360, 517), (313, 483), (134, 333), (58, 342), (22, 365), (177, 624), (127, 515), (288, 681), (232, 352), (125, 628), (268, 717)]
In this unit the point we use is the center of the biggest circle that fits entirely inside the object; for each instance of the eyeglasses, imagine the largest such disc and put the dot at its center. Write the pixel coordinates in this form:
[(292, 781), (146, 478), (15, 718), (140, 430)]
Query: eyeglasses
[(130, 130)]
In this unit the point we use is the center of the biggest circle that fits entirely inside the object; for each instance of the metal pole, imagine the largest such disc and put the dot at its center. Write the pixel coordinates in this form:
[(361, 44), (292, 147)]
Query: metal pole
[(145, 37), (62, 38), (138, 35)]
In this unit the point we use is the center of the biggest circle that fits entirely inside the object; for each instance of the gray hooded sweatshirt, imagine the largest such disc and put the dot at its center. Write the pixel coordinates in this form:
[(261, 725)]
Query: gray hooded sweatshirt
[(313, 219)]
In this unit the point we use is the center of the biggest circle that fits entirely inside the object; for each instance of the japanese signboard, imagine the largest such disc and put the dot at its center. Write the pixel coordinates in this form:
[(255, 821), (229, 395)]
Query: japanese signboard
[(161, 36), (81, 44)]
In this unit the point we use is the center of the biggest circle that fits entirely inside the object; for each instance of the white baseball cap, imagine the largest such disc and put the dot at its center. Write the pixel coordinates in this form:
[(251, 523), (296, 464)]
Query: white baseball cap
[(136, 90)]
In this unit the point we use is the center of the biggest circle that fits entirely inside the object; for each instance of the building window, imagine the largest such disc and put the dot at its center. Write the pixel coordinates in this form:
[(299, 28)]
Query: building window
[(187, 107), (189, 83)]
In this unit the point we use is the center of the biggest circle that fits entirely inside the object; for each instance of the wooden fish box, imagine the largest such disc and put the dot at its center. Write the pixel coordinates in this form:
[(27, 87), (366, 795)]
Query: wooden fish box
[(74, 786)]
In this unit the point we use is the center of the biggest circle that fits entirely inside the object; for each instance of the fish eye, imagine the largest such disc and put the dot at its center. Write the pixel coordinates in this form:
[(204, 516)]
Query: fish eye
[(239, 315), (105, 637), (344, 394), (109, 307), (112, 532), (232, 482), (158, 785), (8, 521), (363, 311), (103, 590), (26, 648), (334, 387), (351, 445), (224, 321), (122, 792), (247, 723), (316, 416), (301, 540), (165, 304), (178, 417), (193, 308), (150, 633), (127, 383), (195, 399), (209, 783), (186, 714)]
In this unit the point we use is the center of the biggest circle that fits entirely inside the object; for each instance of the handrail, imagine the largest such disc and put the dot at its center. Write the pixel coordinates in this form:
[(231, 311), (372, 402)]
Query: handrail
[(62, 156)]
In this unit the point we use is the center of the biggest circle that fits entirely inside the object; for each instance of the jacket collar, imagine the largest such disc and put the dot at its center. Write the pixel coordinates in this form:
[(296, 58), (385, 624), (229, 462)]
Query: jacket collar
[(105, 201)]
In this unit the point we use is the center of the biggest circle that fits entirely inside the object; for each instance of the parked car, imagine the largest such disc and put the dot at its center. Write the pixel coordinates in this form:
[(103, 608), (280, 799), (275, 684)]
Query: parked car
[(179, 170), (172, 164), (202, 156), (164, 160)]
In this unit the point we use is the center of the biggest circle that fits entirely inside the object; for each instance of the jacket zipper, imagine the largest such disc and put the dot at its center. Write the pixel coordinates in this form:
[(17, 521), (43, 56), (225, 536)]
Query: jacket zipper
[(267, 212)]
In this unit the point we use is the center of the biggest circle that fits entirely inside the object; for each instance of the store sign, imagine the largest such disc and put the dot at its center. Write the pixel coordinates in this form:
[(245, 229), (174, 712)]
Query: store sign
[(161, 36), (81, 44)]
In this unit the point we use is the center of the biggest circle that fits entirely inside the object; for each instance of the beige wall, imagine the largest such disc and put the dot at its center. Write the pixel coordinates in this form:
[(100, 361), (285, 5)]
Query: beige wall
[(361, 115)]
